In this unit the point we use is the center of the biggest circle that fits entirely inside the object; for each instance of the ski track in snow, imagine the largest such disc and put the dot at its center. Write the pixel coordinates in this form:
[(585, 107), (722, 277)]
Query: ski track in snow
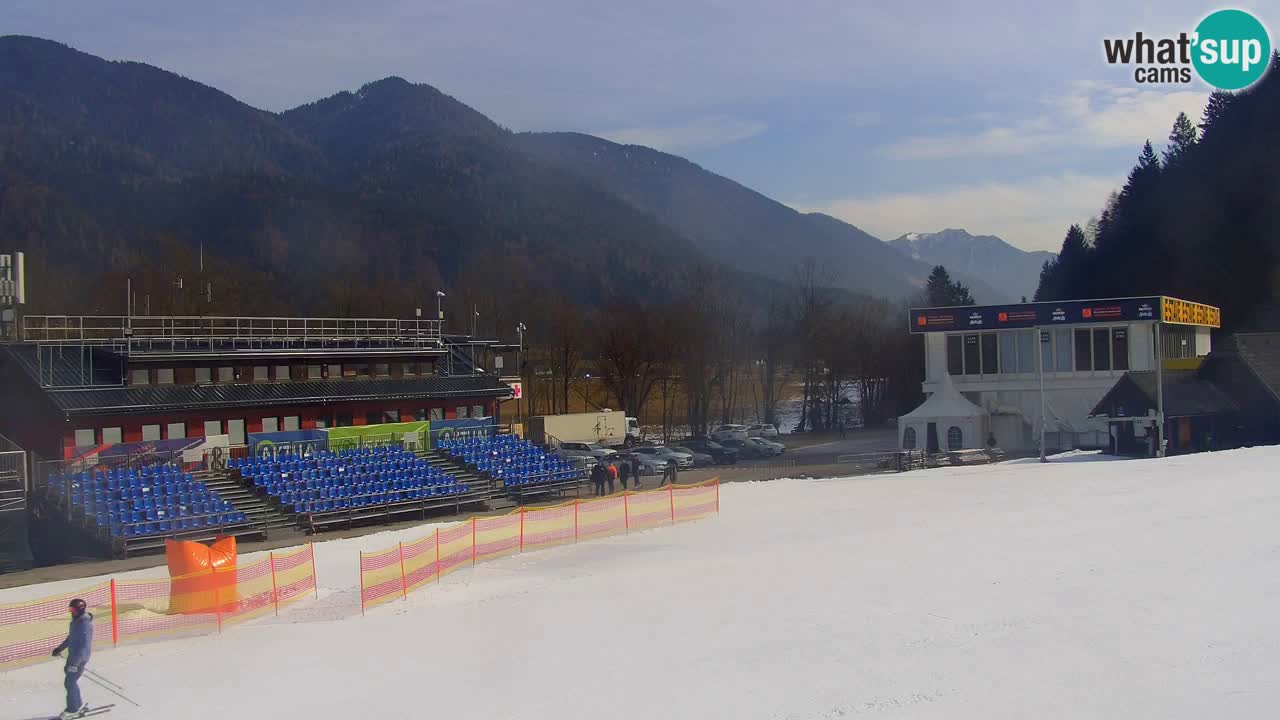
[(1074, 589)]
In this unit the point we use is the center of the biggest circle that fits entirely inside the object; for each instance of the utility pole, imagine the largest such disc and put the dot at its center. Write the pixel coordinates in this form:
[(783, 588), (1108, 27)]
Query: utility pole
[(520, 372), (1159, 392), (1040, 335)]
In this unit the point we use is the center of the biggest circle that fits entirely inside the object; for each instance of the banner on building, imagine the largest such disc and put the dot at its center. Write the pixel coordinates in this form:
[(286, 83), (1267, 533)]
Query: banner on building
[(410, 434), (461, 428), (160, 450), (292, 442)]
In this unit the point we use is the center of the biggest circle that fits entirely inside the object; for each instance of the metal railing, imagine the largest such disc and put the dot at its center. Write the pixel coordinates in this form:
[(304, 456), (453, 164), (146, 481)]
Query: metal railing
[(140, 333), (14, 483)]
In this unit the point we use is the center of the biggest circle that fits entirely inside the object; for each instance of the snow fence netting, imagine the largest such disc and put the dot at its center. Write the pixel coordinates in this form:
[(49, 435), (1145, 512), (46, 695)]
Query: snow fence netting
[(131, 610), (396, 571)]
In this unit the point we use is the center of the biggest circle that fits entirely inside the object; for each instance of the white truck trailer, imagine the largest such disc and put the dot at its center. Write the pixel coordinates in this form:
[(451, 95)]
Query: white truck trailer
[(611, 428)]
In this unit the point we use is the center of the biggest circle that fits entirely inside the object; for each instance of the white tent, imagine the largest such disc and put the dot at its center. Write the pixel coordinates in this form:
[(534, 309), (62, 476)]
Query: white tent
[(958, 423)]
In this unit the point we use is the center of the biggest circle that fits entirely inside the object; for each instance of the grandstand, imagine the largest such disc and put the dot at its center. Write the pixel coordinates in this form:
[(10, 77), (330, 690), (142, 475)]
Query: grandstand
[(137, 429), (523, 469), (128, 503), (356, 484)]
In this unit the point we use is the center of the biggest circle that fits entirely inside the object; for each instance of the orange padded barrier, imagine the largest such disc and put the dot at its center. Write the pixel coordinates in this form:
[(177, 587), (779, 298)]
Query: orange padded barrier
[(202, 577)]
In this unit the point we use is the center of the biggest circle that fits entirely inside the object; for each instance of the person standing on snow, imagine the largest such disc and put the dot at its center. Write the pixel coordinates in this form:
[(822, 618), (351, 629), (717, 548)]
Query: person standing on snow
[(624, 472), (597, 479), (78, 645)]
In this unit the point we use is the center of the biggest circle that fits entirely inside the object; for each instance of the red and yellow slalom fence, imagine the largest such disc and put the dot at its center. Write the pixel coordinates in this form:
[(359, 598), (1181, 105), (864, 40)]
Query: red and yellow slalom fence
[(130, 610), (393, 573)]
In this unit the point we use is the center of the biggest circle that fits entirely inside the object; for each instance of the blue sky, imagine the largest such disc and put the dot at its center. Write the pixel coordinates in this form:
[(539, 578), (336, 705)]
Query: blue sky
[(909, 116)]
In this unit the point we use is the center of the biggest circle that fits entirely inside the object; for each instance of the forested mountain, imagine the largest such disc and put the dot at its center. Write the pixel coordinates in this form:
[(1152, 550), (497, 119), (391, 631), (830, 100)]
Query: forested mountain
[(363, 203), (1011, 271), (732, 223), (1200, 221)]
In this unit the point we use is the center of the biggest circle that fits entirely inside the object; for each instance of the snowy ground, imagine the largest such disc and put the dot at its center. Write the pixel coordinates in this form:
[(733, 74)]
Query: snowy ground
[(1139, 589)]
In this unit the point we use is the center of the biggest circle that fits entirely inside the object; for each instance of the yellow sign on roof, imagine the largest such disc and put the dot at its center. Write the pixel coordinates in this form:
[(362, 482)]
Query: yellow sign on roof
[(1183, 312)]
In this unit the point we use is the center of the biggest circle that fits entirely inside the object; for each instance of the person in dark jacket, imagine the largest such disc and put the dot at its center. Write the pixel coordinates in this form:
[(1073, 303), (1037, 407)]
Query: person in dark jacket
[(635, 472), (624, 472), (670, 474), (597, 479), (78, 646)]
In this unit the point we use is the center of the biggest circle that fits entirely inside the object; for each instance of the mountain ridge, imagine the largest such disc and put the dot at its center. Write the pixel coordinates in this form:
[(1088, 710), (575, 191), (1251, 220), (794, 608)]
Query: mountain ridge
[(1010, 270), (362, 201)]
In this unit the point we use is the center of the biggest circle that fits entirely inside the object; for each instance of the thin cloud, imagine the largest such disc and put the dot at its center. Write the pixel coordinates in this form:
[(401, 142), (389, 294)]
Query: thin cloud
[(700, 133), (1090, 115), (864, 118), (1032, 214)]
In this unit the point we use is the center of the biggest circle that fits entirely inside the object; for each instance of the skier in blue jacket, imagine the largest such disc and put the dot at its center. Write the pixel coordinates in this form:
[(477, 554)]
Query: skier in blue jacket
[(79, 645)]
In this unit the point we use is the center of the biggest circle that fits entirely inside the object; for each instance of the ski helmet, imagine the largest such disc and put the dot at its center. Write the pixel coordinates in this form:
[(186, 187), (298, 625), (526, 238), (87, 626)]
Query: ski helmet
[(77, 606)]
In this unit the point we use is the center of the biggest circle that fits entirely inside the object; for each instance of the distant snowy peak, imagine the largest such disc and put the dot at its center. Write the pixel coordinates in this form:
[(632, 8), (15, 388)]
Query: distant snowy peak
[(1006, 268)]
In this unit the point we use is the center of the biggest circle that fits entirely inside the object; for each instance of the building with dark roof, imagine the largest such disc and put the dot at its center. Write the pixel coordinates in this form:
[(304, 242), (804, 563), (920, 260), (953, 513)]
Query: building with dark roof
[(1246, 366), (1198, 415), (81, 382)]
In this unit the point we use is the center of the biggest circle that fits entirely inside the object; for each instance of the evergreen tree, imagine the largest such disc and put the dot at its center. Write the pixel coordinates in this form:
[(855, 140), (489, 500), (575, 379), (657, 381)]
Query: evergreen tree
[(942, 291), (1219, 102), (1044, 291), (1181, 139)]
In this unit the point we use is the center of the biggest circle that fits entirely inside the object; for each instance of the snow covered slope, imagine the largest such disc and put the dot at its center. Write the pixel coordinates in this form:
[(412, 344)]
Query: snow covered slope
[(1069, 590)]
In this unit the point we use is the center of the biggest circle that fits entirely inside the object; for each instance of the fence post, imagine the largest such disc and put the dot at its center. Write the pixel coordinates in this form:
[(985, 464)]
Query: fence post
[(438, 553), (115, 616), (217, 605), (576, 502), (717, 494), (275, 590), (404, 584), (626, 511), (315, 579), (362, 583), (473, 544), (671, 493), (521, 528)]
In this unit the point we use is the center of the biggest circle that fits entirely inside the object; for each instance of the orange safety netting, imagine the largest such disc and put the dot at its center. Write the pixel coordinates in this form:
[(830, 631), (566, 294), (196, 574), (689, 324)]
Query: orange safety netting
[(128, 610), (395, 572)]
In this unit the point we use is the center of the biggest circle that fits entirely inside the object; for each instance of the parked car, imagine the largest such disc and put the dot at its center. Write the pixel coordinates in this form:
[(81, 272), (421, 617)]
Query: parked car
[(729, 432), (699, 459), (595, 450), (777, 447), (649, 464), (576, 456), (764, 430), (681, 460), (721, 454), (748, 450)]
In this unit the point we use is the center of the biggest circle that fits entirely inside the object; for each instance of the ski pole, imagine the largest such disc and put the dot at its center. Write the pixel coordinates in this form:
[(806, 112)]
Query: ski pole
[(103, 679), (108, 688)]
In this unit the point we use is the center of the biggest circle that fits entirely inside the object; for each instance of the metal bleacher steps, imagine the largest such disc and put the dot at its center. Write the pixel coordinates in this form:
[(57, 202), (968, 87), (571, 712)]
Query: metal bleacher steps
[(243, 498), (479, 482)]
